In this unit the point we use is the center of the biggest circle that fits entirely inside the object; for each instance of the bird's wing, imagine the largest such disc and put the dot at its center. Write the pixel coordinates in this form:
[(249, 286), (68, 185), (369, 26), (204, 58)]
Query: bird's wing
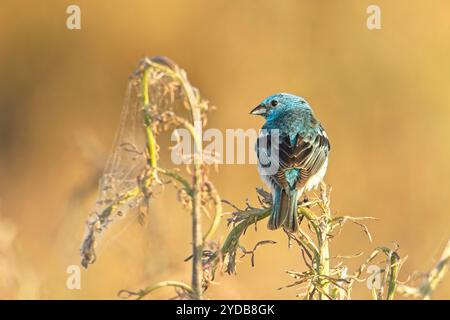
[(307, 153)]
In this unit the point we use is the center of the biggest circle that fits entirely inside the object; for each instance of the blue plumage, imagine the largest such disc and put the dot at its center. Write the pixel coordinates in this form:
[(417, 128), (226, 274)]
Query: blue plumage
[(295, 141)]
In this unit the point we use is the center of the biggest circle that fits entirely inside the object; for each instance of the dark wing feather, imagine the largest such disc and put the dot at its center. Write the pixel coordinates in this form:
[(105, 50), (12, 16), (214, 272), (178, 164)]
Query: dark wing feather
[(307, 154)]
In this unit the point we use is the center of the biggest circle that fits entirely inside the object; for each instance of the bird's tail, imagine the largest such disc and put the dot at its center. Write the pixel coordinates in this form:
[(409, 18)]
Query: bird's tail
[(284, 210)]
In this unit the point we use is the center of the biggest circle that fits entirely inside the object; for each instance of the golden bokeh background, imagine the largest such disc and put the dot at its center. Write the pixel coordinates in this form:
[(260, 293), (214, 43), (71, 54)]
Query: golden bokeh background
[(382, 95)]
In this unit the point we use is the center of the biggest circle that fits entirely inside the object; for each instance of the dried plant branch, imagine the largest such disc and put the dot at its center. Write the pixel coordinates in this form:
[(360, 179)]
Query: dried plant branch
[(125, 294), (325, 229), (252, 252), (218, 212), (97, 223), (166, 81), (394, 262), (431, 280), (231, 243)]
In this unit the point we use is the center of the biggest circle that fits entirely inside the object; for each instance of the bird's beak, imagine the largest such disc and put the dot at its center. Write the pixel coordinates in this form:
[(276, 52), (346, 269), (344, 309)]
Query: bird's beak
[(259, 110)]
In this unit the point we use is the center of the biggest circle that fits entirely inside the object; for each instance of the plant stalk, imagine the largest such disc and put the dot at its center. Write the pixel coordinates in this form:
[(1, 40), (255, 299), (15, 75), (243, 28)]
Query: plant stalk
[(324, 249), (197, 180), (324, 268)]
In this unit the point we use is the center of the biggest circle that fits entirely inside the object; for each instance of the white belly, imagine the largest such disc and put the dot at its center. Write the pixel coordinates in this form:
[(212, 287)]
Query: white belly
[(316, 179)]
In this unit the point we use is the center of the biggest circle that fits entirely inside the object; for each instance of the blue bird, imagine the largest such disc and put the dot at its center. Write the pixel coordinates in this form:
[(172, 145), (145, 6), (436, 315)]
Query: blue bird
[(295, 141)]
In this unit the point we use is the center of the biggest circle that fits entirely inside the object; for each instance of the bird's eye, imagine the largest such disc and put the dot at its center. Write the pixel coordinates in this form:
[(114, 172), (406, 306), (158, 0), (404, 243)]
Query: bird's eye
[(274, 103)]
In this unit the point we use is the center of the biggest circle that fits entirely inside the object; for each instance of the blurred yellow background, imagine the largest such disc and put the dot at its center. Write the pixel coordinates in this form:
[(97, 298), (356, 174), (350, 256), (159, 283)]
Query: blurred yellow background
[(382, 95)]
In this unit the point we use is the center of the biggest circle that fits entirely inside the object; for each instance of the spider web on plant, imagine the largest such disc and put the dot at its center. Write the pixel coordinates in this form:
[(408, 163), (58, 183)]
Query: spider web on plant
[(127, 163)]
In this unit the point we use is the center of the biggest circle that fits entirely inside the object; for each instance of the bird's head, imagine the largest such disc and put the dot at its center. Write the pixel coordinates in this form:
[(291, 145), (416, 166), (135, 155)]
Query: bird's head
[(279, 102)]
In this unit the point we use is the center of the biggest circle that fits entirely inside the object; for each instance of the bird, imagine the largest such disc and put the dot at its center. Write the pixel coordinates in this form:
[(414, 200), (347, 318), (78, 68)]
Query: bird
[(295, 144)]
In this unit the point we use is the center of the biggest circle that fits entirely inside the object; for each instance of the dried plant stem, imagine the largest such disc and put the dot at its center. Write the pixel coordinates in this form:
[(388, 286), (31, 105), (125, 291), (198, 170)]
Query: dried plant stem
[(394, 261), (325, 229), (142, 293), (436, 275), (197, 241), (195, 193), (232, 240), (195, 189), (177, 177), (218, 213), (197, 181), (151, 144), (324, 267), (433, 278)]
